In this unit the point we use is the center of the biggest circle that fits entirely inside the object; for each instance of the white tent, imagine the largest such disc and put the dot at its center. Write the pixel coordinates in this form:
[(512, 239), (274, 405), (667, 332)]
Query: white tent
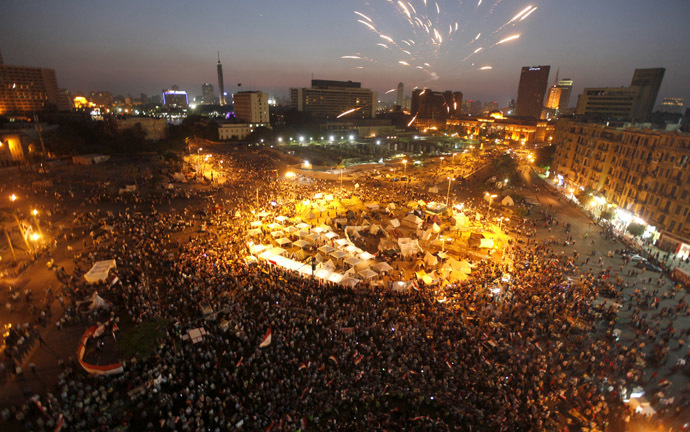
[(395, 223), (277, 234), (254, 232), (382, 267), (95, 302), (335, 277), (433, 189), (303, 226), (342, 242), (460, 220), (411, 221), (507, 201), (326, 249), (281, 218), (256, 224), (366, 256), (322, 273), (367, 274), (400, 286), (348, 282), (374, 229), (409, 247), (430, 260), (301, 244), (255, 249), (486, 243), (283, 241), (352, 261), (372, 206), (436, 228), (99, 271), (330, 235)]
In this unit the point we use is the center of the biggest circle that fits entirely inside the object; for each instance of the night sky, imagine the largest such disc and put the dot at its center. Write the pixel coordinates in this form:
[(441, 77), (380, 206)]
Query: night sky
[(129, 47)]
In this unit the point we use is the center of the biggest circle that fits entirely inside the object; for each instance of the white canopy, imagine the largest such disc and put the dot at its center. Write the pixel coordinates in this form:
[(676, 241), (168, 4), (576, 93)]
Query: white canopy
[(366, 255), (281, 218), (330, 235), (395, 223), (256, 224), (283, 241), (352, 261), (372, 206), (257, 249), (303, 226), (100, 270), (382, 267), (338, 254), (349, 282), (301, 244), (326, 249), (254, 232), (342, 242), (322, 273), (507, 201), (486, 243), (277, 234), (335, 277), (367, 274)]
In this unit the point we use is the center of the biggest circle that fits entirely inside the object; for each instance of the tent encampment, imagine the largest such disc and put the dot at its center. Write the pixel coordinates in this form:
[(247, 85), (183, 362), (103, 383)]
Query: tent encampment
[(507, 201)]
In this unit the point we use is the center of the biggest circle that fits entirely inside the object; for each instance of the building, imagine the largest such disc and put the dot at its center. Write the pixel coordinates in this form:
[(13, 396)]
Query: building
[(14, 147), (566, 86), (175, 98), (672, 105), (558, 98), (608, 103), (221, 87), (531, 91), (330, 99), (507, 130), (102, 99), (644, 172), (207, 96), (238, 131), (437, 106), (252, 107), (649, 82), (25, 89), (401, 94), (155, 129)]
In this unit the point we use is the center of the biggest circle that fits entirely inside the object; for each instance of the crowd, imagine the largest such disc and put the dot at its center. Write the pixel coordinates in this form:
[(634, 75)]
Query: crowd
[(527, 353)]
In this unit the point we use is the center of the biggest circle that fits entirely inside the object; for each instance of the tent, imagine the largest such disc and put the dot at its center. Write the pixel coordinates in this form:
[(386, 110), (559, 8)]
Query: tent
[(352, 261), (433, 189), (507, 201), (460, 220), (348, 282), (256, 224), (372, 206), (335, 277), (303, 226), (400, 286), (430, 260), (283, 241), (322, 273), (342, 242), (330, 235), (409, 247), (326, 249), (411, 221), (301, 244), (100, 270), (366, 256), (255, 249), (266, 255), (374, 229), (95, 302), (277, 234), (281, 218), (395, 223), (382, 267), (367, 274), (254, 232), (436, 228)]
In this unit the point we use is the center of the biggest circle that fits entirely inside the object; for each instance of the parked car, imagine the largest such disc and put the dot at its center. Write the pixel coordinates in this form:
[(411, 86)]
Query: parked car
[(637, 257), (649, 266)]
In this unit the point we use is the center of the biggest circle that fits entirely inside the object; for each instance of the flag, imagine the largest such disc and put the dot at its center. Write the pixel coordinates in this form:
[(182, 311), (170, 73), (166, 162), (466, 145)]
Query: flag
[(60, 423), (335, 360), (266, 341), (113, 282), (358, 359), (239, 362)]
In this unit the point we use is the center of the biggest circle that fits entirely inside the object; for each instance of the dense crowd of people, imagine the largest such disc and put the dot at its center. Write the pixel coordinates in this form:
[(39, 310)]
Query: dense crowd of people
[(529, 352)]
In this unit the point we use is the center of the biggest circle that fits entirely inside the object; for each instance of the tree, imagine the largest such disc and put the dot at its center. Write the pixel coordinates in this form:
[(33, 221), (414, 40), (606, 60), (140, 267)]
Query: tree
[(607, 214), (636, 229)]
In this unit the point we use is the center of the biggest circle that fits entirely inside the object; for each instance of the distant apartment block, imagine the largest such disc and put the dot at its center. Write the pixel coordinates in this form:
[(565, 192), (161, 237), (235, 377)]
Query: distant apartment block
[(328, 99), (26, 89)]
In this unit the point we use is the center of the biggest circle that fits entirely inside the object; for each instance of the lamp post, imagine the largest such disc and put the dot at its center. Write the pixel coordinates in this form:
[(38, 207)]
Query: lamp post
[(450, 179), (13, 198), (34, 212)]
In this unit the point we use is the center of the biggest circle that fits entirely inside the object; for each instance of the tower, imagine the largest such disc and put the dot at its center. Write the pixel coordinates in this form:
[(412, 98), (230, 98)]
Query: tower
[(221, 88), (649, 82), (401, 91)]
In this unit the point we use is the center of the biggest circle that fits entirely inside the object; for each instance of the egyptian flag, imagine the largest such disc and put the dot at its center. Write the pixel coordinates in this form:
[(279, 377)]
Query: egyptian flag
[(266, 341), (332, 358), (115, 329), (113, 282), (60, 423)]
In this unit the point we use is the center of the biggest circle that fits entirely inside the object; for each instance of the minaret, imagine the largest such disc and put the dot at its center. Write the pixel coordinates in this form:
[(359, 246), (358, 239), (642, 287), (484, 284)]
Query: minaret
[(221, 88)]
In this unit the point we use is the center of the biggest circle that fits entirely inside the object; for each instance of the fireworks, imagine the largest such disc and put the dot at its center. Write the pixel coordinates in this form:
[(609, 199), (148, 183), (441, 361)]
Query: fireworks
[(418, 33), (350, 111)]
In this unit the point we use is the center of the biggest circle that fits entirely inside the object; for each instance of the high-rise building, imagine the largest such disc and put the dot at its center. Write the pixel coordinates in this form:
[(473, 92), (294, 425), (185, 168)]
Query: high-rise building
[(26, 89), (649, 82), (330, 99), (531, 91), (401, 94), (64, 100), (566, 86), (430, 105), (252, 107), (672, 105), (608, 103), (221, 87), (207, 93), (175, 98)]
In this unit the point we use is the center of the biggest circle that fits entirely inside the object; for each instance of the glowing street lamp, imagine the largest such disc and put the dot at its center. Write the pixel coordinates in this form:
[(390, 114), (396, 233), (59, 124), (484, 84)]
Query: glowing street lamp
[(13, 197)]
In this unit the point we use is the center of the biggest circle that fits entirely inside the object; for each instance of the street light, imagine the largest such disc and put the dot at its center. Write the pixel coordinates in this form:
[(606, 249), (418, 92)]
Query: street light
[(491, 199), (450, 179), (13, 197)]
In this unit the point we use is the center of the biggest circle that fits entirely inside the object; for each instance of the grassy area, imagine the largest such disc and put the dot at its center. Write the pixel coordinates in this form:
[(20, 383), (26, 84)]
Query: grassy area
[(140, 341)]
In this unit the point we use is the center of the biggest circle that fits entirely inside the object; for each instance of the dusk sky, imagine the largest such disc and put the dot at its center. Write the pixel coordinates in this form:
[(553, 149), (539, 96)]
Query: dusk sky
[(130, 47)]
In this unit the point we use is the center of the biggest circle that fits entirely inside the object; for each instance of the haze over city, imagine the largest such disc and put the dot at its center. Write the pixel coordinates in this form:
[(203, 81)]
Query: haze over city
[(131, 47)]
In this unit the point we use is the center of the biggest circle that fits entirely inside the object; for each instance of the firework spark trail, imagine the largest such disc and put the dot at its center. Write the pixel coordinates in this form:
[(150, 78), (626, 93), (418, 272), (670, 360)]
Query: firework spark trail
[(348, 112), (420, 33), (390, 91)]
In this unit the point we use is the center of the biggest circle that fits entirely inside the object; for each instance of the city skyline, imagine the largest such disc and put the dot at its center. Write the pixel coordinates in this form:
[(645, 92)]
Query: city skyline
[(134, 48)]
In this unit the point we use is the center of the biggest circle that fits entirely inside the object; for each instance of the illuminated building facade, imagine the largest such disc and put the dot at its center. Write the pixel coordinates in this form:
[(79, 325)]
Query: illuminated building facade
[(329, 99), (252, 107), (672, 105), (644, 172), (238, 131), (608, 103), (506, 130), (221, 86), (175, 98), (26, 89), (531, 91)]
